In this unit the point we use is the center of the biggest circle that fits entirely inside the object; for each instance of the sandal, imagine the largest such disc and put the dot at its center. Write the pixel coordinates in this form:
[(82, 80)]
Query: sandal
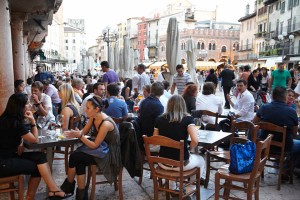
[(55, 197)]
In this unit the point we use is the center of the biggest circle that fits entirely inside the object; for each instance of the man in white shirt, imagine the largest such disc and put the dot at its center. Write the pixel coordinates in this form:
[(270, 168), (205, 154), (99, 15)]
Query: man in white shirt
[(135, 82), (244, 105), (99, 89), (143, 80)]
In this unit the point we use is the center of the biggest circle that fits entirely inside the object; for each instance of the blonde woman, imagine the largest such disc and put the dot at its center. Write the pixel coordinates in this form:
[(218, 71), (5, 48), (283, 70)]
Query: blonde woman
[(70, 107), (178, 125)]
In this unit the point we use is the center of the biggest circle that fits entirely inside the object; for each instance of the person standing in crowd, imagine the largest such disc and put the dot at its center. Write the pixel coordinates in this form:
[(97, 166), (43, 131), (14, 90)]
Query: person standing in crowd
[(99, 90), (189, 95), (246, 73), (143, 79), (178, 125), (19, 86), (280, 77), (52, 92), (117, 108), (160, 75), (110, 75), (264, 83), (180, 79), (14, 161), (105, 135), (41, 102), (41, 76), (212, 77), (227, 76), (253, 83), (127, 94), (70, 107)]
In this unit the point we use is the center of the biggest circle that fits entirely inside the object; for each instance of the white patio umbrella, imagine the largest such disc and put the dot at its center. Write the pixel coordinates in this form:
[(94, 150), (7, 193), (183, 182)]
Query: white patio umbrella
[(131, 67), (146, 51), (111, 59), (116, 58), (126, 57), (121, 64), (136, 57), (191, 59), (172, 46)]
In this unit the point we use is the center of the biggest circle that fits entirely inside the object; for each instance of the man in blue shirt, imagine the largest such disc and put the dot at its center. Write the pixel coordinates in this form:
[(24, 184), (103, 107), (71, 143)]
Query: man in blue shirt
[(110, 75), (117, 108), (278, 112), (150, 108), (42, 76)]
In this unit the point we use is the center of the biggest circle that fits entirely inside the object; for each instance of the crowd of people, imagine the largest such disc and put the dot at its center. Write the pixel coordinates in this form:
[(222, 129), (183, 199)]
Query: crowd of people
[(161, 110)]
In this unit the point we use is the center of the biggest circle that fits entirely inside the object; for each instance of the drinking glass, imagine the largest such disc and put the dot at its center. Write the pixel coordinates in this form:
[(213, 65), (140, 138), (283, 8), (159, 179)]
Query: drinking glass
[(59, 121), (197, 123), (204, 119), (41, 121)]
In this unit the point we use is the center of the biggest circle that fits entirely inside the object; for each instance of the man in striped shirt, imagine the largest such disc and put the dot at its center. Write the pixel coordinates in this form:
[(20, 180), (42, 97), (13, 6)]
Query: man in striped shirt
[(180, 79)]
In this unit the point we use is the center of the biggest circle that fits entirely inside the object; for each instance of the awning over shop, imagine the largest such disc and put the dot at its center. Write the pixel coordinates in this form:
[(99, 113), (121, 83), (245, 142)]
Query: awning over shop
[(271, 62), (207, 65), (157, 65)]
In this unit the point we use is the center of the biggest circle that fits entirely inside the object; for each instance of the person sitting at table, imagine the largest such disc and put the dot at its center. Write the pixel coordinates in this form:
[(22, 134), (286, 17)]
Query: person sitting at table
[(146, 93), (189, 95), (290, 100), (117, 107), (109, 163), (41, 101), (209, 101), (12, 158), (70, 107), (178, 125), (127, 94)]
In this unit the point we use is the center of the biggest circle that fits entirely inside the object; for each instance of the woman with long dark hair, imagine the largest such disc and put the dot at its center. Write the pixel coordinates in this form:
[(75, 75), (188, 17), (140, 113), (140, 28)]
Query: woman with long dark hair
[(14, 161), (104, 130), (189, 95), (126, 93)]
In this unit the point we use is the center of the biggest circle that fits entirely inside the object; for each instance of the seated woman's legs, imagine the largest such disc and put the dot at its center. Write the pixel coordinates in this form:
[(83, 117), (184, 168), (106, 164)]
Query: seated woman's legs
[(77, 164)]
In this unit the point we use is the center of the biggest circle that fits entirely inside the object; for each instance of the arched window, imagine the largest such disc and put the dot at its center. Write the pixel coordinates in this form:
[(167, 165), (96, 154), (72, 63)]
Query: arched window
[(214, 46), (209, 46), (198, 45), (223, 49), (182, 46), (202, 45)]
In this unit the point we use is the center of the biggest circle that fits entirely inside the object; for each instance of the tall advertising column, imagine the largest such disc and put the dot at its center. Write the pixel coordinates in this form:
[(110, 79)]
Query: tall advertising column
[(17, 44), (6, 59)]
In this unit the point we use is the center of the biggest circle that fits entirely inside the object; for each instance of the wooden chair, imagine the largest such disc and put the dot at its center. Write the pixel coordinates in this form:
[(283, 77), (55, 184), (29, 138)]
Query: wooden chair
[(93, 172), (183, 177), (10, 181), (250, 180), (278, 156), (224, 156), (199, 113), (68, 149)]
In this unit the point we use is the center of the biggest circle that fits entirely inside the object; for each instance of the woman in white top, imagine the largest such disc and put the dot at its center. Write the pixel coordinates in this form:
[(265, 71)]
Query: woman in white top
[(209, 101)]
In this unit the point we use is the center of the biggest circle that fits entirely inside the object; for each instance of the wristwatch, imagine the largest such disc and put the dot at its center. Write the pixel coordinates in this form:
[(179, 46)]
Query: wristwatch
[(37, 104)]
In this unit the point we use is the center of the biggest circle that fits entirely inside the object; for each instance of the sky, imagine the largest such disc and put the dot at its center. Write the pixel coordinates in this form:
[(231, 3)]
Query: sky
[(98, 14)]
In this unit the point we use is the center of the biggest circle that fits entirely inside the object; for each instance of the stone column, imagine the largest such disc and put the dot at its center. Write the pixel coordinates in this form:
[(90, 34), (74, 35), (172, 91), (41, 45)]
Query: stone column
[(17, 44), (25, 47), (6, 60)]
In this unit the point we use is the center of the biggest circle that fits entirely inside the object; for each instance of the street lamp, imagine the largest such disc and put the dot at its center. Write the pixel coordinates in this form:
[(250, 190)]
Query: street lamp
[(108, 39), (282, 39)]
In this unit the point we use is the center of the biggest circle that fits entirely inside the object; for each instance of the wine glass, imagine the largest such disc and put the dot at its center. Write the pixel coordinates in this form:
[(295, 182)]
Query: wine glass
[(41, 121), (204, 119), (59, 121), (197, 122)]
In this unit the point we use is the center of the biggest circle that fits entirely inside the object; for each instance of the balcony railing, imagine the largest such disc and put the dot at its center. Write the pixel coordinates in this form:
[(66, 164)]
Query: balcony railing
[(247, 47), (248, 56), (279, 49), (269, 2)]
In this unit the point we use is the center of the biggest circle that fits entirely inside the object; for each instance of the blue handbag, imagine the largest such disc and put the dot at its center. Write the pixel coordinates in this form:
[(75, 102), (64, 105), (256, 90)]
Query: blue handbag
[(242, 157), (99, 152)]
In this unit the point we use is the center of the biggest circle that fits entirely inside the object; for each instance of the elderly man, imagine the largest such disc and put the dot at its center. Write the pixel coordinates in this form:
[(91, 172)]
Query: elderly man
[(180, 80), (280, 77), (278, 112), (78, 84)]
